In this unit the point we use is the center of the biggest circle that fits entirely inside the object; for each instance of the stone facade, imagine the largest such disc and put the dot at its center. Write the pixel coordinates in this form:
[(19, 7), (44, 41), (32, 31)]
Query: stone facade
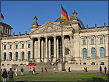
[(47, 43)]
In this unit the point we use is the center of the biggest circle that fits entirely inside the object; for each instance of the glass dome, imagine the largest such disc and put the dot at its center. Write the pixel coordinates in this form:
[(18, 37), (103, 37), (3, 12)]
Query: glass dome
[(71, 18)]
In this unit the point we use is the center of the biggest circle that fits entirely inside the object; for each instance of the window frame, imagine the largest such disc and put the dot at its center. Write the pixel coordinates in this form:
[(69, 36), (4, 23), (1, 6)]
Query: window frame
[(4, 47), (29, 45), (16, 46), (101, 40), (10, 47), (84, 54), (22, 46), (84, 42), (92, 41), (102, 52)]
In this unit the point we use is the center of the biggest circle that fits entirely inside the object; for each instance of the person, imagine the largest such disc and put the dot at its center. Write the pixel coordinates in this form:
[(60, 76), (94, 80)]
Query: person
[(11, 79), (42, 69), (29, 70), (46, 69), (22, 71), (100, 69), (86, 69), (4, 75), (33, 70), (69, 69), (105, 69), (16, 71)]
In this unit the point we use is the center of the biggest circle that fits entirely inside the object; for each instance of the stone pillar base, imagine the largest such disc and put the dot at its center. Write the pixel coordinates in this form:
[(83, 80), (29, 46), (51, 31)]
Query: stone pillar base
[(88, 57), (45, 60), (54, 59), (19, 59), (38, 60)]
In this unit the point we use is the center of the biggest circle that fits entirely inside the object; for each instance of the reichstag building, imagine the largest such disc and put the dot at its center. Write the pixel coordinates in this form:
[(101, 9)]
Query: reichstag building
[(74, 44)]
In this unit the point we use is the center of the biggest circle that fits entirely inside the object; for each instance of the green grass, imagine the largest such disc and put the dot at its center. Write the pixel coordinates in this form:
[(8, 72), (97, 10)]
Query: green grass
[(63, 76)]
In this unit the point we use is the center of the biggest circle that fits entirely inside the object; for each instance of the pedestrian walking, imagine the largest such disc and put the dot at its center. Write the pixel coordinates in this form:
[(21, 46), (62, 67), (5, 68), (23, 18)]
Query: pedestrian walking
[(16, 71), (105, 69), (22, 71), (100, 69), (4, 75), (10, 73), (46, 69), (69, 69), (30, 70)]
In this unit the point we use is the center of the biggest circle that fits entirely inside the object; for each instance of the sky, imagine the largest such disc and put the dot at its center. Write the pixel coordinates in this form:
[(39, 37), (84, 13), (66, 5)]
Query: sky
[(19, 14)]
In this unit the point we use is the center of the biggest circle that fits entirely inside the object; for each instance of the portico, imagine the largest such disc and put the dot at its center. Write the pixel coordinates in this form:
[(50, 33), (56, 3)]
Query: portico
[(47, 48)]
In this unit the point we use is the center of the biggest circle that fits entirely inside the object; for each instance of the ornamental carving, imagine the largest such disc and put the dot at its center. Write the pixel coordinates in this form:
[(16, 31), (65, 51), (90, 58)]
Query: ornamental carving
[(49, 28)]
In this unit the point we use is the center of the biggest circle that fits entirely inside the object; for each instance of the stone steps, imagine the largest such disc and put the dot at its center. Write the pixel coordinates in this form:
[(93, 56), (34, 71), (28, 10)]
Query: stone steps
[(38, 67)]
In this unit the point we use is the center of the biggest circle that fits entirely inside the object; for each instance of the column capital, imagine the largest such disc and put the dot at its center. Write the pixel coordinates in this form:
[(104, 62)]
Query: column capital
[(46, 36), (54, 36), (38, 37), (70, 35)]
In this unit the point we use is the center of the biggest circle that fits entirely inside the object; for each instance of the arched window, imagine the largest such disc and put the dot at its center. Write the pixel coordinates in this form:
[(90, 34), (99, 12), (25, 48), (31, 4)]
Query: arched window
[(93, 54), (29, 55), (22, 56), (84, 53), (10, 56), (4, 56), (102, 54), (16, 56)]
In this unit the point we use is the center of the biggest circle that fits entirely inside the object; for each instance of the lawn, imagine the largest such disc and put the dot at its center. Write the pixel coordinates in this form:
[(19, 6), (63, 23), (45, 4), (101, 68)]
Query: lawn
[(63, 76)]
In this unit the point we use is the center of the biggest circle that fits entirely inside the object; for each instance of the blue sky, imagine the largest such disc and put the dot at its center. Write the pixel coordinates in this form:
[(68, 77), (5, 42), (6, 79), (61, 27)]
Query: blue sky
[(20, 14)]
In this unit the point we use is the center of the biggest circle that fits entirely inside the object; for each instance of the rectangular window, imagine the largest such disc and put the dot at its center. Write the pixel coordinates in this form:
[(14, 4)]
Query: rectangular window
[(16, 46), (22, 45), (84, 42), (28, 45), (4, 47), (92, 41), (10, 46), (101, 40)]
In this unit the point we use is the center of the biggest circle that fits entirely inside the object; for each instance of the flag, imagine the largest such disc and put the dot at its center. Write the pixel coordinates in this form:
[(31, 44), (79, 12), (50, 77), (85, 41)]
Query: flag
[(64, 15), (2, 16)]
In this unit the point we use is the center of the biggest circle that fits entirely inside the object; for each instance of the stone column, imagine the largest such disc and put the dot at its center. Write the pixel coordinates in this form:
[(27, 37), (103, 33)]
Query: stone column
[(31, 56), (19, 51), (57, 48), (42, 50), (63, 48), (38, 56), (54, 59), (46, 54), (26, 54), (13, 52), (7, 51), (9, 31), (49, 51), (70, 46), (88, 48), (35, 50), (2, 54)]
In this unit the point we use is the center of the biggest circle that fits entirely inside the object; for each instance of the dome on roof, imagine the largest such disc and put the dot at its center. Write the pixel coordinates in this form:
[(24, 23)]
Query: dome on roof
[(71, 18)]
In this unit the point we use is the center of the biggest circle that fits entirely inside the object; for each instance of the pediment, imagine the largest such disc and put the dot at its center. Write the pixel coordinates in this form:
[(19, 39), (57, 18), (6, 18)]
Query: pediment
[(49, 27)]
